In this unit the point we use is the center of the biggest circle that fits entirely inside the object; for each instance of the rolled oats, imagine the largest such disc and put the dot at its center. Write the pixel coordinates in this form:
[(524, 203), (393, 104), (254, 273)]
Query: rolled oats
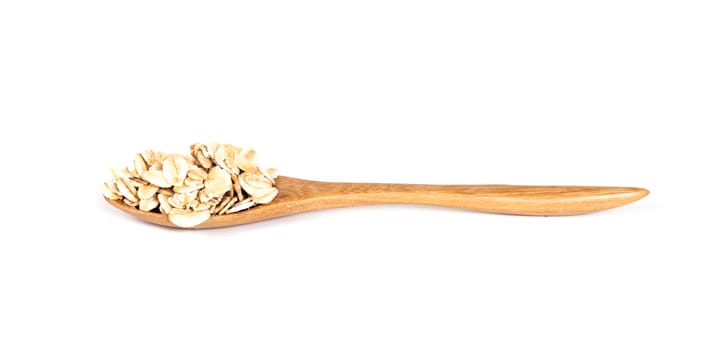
[(215, 179), (155, 177), (109, 192), (189, 218), (139, 164), (148, 204), (147, 191), (218, 182)]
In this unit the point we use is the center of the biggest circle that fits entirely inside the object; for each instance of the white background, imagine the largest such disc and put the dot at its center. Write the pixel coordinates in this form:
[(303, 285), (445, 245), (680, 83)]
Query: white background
[(521, 92)]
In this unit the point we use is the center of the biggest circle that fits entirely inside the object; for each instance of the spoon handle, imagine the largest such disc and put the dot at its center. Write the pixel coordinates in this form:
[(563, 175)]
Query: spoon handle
[(504, 199)]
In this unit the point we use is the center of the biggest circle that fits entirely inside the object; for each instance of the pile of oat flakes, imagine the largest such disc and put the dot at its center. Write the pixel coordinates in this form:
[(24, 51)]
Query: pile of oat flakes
[(214, 179)]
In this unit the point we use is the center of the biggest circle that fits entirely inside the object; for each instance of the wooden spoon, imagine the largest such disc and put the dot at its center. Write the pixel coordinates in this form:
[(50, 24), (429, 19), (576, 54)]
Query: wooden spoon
[(298, 196)]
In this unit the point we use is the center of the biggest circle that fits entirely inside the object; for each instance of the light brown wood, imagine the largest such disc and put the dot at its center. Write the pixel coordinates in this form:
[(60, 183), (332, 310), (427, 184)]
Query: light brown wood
[(298, 196)]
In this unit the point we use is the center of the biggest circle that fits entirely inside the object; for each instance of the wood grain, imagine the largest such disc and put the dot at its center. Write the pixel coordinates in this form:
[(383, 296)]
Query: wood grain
[(298, 196)]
